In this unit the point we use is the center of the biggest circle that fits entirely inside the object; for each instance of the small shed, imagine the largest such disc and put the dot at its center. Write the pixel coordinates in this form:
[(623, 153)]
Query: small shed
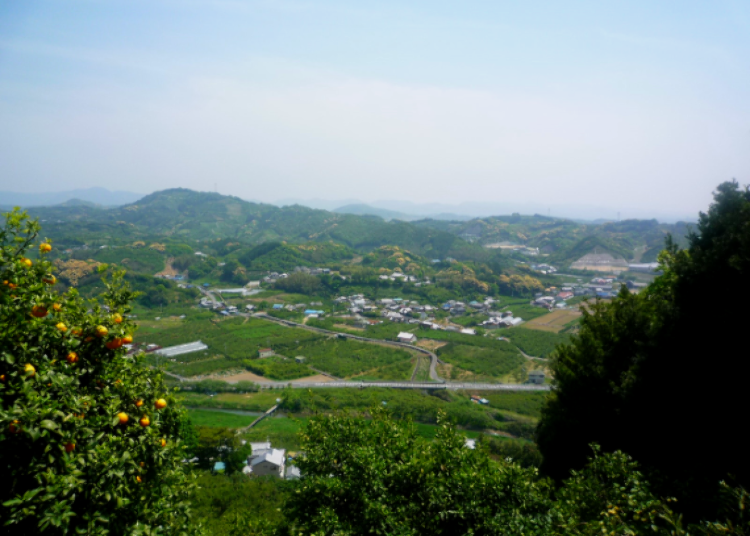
[(265, 352), (407, 337), (300, 359), (536, 376)]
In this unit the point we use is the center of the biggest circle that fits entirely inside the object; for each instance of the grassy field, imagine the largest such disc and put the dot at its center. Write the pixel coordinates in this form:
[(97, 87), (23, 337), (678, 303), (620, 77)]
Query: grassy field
[(260, 401), (204, 417), (281, 431), (553, 322)]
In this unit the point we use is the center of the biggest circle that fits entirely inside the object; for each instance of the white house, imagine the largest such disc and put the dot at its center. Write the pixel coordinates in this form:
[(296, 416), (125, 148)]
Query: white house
[(269, 464), (407, 337)]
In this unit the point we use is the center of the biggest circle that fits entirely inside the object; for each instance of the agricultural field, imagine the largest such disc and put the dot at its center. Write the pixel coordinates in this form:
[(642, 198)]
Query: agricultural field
[(219, 419), (233, 345), (534, 342), (500, 362), (555, 321), (346, 358)]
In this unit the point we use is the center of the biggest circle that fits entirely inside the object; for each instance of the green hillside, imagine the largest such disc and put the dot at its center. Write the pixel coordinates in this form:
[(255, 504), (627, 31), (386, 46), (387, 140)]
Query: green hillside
[(566, 240), (189, 216)]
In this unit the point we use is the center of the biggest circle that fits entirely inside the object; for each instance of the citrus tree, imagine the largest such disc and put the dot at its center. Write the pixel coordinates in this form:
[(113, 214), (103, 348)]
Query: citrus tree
[(89, 438)]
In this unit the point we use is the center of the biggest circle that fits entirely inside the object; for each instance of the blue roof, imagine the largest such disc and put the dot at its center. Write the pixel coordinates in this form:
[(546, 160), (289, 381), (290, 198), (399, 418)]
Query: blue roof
[(278, 306), (313, 312), (219, 466), (205, 284)]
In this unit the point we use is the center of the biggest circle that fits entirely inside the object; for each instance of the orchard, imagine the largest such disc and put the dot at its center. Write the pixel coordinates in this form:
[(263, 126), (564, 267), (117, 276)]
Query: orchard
[(89, 436)]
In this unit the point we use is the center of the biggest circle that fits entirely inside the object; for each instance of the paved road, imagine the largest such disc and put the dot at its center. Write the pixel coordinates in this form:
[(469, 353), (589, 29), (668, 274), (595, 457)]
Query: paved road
[(433, 357)]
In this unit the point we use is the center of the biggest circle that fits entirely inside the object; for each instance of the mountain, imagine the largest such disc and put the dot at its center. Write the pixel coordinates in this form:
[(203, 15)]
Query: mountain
[(98, 196), (186, 215), (563, 240)]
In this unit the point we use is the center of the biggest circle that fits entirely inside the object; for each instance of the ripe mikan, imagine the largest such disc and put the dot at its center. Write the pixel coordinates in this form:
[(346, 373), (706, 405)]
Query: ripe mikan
[(39, 311)]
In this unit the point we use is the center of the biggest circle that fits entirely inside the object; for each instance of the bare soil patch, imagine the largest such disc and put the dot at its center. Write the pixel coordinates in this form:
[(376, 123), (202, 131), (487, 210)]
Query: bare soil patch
[(430, 344), (554, 321)]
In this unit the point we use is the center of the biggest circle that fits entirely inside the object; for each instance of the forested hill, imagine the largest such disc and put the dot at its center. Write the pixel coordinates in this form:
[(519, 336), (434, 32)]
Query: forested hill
[(566, 240), (182, 214)]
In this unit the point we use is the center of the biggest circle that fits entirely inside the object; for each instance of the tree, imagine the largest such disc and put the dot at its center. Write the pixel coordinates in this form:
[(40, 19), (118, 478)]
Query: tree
[(641, 378), (89, 438), (379, 477)]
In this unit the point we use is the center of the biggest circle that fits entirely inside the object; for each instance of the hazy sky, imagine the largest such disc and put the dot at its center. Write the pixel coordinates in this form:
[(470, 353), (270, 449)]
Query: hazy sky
[(636, 106)]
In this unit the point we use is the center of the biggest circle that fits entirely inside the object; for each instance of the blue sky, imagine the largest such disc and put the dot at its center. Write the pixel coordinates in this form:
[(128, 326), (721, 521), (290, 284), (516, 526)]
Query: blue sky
[(637, 107)]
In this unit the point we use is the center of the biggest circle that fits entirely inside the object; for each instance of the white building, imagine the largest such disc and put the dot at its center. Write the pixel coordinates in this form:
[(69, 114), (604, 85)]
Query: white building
[(265, 461), (406, 337)]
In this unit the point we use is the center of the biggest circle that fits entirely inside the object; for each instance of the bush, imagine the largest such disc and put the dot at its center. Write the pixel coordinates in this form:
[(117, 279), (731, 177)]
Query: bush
[(69, 463)]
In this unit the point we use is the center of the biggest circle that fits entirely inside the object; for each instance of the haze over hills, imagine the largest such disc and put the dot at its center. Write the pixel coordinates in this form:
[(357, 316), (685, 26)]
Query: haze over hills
[(97, 196)]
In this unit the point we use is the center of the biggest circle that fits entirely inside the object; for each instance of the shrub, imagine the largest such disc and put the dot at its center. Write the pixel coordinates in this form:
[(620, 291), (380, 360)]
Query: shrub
[(69, 464)]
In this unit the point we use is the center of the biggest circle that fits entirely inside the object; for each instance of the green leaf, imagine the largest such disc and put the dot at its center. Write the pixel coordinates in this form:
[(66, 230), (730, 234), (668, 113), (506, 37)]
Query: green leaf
[(50, 425)]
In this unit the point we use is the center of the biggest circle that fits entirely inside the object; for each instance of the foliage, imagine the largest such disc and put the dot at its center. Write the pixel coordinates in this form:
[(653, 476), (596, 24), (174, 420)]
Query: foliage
[(277, 368), (636, 377), (524, 453), (237, 505), (214, 443), (301, 283), (380, 477), (63, 382), (218, 419)]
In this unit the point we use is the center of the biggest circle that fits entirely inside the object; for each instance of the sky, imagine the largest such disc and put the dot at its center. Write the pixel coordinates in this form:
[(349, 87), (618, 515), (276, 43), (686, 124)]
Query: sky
[(636, 107)]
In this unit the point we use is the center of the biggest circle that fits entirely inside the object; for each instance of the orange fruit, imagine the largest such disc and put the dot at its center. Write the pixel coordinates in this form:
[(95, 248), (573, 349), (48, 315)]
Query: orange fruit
[(70, 447), (145, 421), (117, 318), (45, 247), (49, 279), (2, 378), (139, 479), (138, 403), (26, 262), (160, 404), (163, 442), (62, 327), (39, 311), (72, 357), (123, 418), (127, 339), (29, 370), (114, 344), (57, 307), (88, 339), (15, 427), (12, 285), (101, 331), (142, 464)]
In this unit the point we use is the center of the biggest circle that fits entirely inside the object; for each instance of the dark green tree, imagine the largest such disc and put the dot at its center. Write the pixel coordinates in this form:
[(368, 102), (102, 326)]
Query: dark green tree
[(648, 377)]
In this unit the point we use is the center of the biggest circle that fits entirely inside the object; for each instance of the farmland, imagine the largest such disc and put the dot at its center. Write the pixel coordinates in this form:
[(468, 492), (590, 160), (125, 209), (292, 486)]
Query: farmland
[(555, 321), (536, 343)]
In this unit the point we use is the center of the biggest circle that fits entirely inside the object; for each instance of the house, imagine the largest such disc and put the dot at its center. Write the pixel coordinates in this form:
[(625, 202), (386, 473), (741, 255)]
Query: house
[(469, 331), (300, 359), (536, 376), (407, 337), (270, 462), (278, 306), (265, 352), (249, 307)]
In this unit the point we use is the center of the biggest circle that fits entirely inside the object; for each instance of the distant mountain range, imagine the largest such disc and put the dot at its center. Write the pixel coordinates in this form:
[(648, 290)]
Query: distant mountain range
[(186, 216), (92, 196)]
